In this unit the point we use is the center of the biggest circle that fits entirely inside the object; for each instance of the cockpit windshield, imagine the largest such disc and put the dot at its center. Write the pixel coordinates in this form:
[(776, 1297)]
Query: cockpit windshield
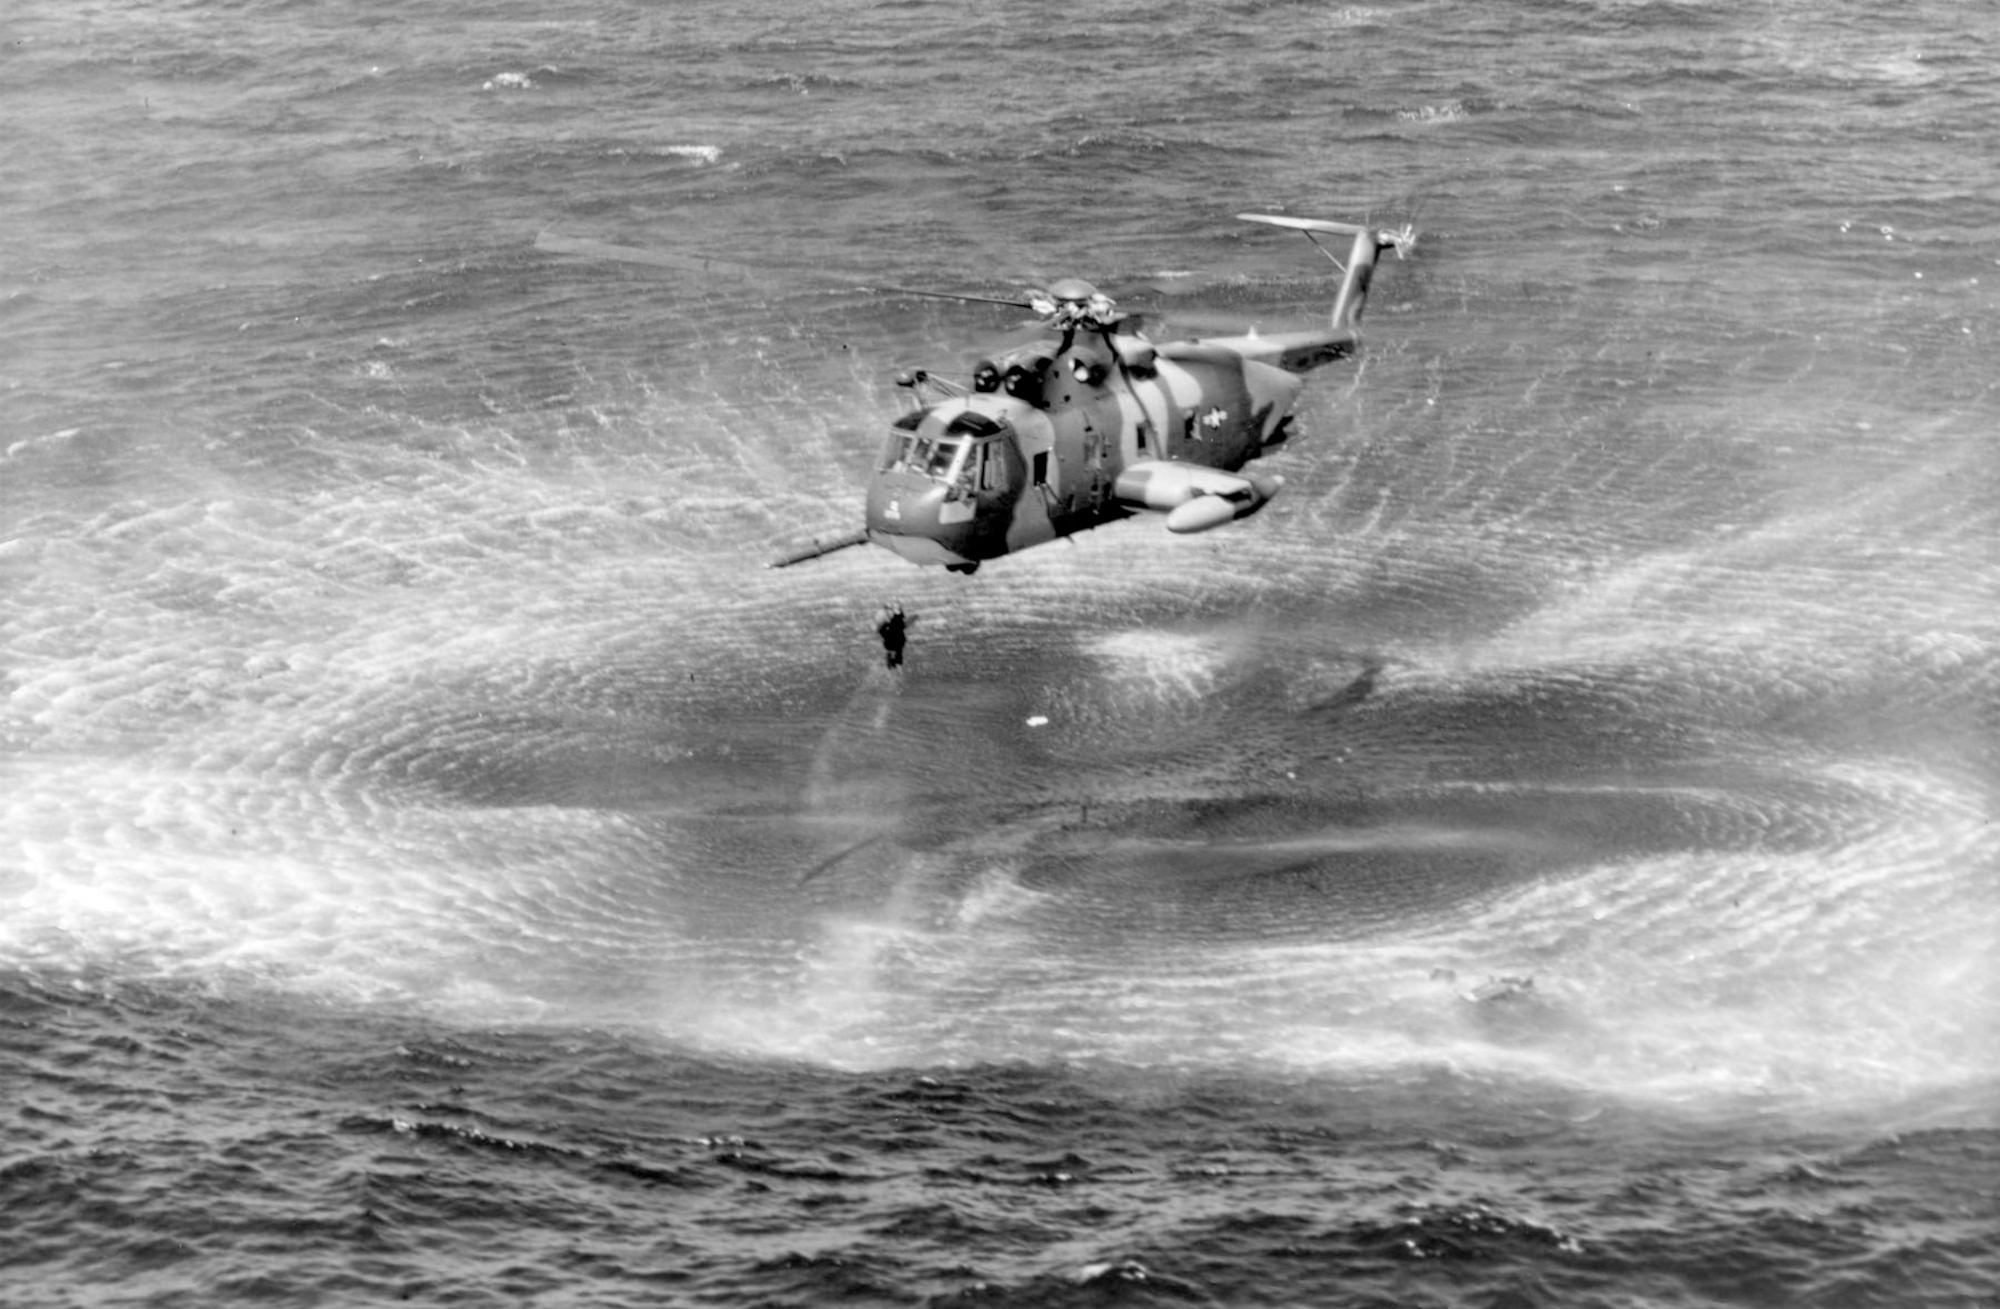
[(949, 456), (927, 456)]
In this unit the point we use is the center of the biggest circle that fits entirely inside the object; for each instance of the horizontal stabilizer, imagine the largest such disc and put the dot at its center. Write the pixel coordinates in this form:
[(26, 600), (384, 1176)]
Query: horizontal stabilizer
[(1307, 224), (1402, 240)]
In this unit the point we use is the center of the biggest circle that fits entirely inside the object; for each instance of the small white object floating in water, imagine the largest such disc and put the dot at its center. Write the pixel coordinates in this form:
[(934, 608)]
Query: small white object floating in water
[(700, 154), (1038, 720)]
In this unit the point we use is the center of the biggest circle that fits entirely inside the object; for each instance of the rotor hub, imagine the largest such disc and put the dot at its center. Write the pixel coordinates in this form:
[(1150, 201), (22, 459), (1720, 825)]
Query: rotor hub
[(1072, 301)]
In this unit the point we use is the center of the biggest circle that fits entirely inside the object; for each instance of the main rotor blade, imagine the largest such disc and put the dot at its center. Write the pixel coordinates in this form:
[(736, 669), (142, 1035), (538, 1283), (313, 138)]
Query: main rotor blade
[(944, 295), (556, 243)]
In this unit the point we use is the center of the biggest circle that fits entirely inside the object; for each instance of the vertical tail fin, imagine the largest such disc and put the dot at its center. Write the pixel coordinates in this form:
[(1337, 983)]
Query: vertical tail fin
[(1353, 295)]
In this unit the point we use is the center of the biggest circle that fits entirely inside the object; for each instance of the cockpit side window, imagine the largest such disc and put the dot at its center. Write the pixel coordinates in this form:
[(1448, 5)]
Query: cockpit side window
[(939, 458), (897, 448)]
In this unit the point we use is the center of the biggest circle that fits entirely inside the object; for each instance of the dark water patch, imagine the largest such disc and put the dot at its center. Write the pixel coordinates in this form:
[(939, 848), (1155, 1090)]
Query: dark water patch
[(1468, 1230), (584, 1138), (1306, 864)]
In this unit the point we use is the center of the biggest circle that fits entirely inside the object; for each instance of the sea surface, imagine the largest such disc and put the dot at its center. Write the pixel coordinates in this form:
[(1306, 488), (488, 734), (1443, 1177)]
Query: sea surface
[(1546, 858)]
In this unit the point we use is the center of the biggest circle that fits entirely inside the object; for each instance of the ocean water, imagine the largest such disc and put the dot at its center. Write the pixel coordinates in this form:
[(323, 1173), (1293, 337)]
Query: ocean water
[(1547, 857)]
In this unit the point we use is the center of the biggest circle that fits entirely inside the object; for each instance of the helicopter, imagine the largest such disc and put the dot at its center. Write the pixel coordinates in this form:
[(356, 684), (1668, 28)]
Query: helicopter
[(1090, 421)]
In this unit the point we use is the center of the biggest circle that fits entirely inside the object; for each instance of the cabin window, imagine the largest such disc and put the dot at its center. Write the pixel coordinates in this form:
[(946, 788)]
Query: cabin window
[(1041, 468)]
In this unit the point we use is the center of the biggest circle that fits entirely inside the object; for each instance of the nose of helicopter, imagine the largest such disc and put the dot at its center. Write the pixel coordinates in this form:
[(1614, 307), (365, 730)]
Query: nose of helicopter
[(920, 520)]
